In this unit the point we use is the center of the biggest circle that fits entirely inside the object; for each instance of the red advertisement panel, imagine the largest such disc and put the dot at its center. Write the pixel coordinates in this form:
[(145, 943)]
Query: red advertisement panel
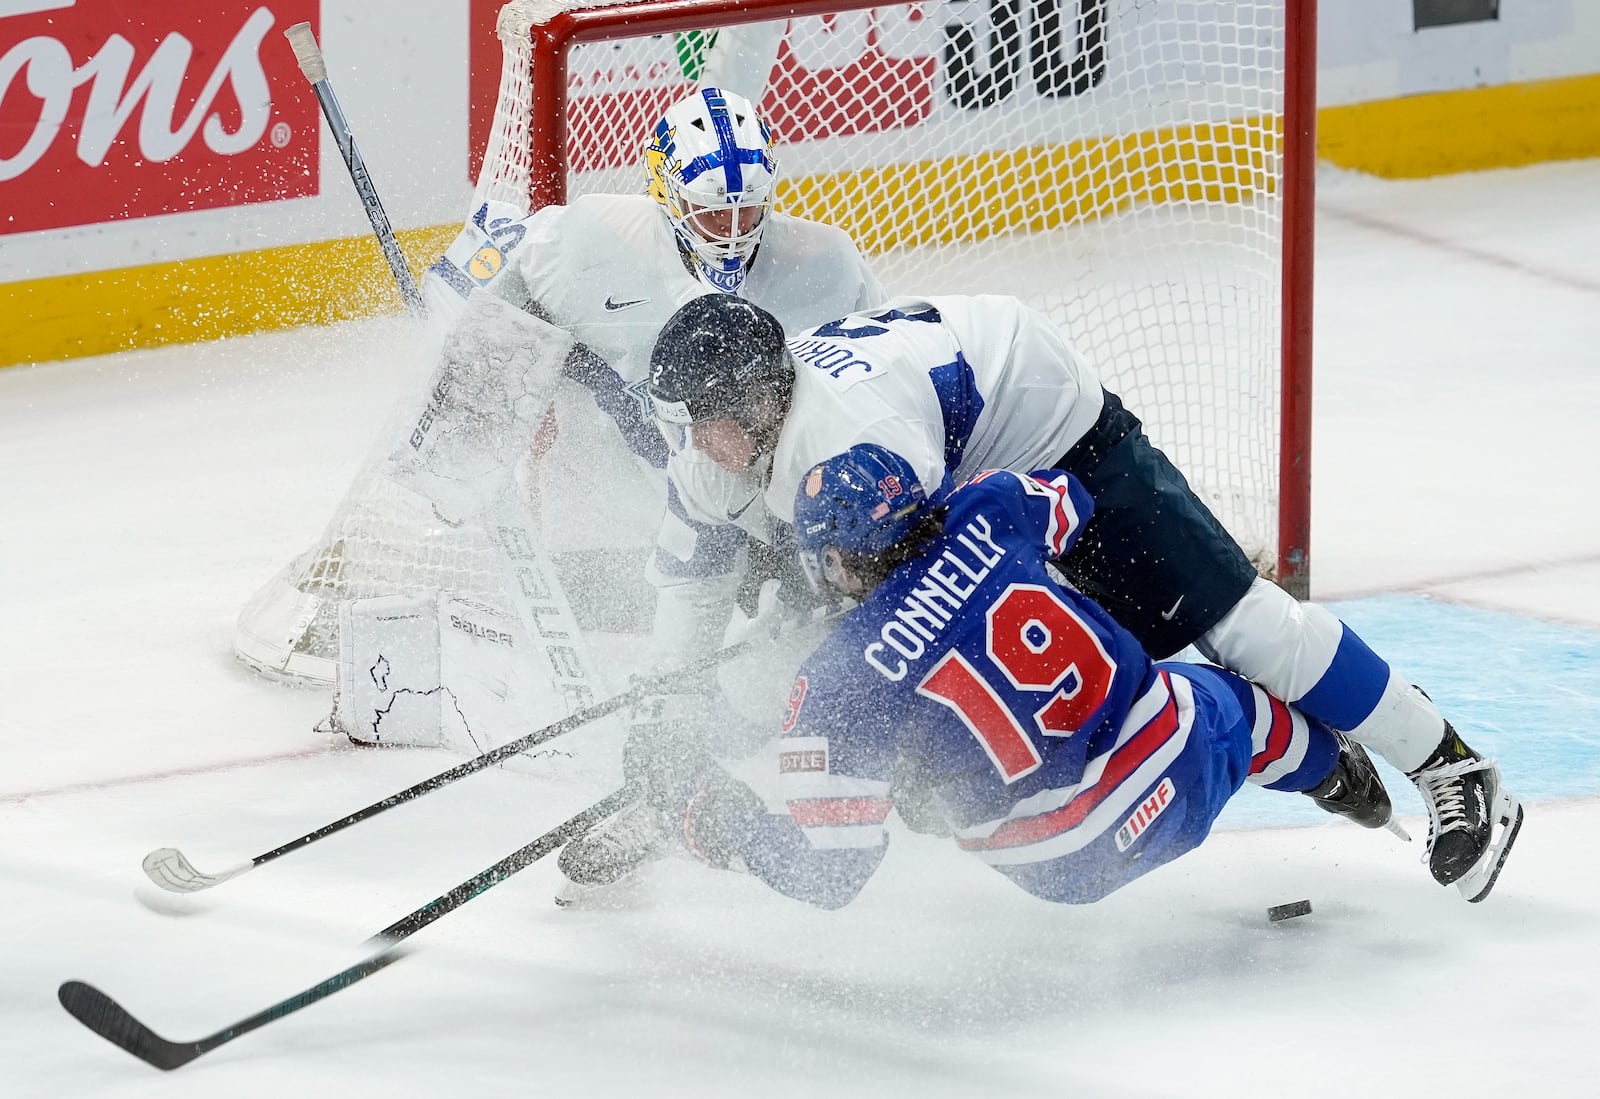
[(836, 76), (111, 111)]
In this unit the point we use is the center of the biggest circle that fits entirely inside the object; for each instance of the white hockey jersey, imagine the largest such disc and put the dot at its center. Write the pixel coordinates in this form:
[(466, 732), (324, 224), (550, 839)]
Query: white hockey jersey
[(607, 269), (953, 384)]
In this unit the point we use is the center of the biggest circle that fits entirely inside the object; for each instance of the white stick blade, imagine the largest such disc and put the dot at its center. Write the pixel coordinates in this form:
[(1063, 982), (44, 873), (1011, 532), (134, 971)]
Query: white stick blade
[(169, 869)]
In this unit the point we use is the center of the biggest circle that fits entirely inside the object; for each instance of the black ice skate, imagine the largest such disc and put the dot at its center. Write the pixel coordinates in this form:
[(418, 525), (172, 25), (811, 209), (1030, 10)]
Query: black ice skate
[(1355, 790), (1472, 820), (613, 850)]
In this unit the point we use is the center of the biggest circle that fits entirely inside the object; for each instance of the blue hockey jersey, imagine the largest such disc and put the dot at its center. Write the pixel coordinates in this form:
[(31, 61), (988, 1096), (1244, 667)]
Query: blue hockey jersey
[(1040, 724)]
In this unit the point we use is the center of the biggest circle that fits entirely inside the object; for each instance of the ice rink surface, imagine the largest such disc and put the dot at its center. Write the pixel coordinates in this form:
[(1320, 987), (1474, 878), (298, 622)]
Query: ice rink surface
[(1456, 525)]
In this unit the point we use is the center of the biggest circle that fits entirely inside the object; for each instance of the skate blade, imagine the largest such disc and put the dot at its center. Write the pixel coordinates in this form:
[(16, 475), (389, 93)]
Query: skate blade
[(1476, 883), (1393, 826), (623, 894), (574, 894)]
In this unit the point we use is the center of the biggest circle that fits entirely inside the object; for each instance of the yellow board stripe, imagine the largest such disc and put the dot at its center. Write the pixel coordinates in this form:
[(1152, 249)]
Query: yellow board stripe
[(1467, 131), (1044, 187), (204, 299)]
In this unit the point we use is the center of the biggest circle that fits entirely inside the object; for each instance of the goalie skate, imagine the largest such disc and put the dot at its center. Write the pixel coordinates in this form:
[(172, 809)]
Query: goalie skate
[(1472, 819)]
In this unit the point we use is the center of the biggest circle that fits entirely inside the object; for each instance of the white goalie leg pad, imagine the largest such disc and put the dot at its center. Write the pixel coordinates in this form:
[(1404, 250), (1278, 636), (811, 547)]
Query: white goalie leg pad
[(538, 600), (495, 379), (271, 629), (434, 670), (388, 685)]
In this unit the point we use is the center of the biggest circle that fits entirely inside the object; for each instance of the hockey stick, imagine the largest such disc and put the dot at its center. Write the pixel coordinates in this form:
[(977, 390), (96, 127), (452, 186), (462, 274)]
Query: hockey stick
[(169, 869), (309, 55), (109, 1019)]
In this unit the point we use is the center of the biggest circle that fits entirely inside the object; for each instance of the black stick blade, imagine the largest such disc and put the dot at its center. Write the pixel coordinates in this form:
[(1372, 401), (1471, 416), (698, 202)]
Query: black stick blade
[(109, 1019)]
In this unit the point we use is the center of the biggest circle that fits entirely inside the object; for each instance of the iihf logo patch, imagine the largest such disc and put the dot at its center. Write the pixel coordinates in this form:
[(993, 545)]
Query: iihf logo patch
[(1144, 816)]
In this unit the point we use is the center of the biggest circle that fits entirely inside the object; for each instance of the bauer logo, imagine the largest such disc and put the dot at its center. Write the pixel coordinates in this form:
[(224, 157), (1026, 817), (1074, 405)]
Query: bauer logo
[(475, 629), (147, 107), (1149, 809)]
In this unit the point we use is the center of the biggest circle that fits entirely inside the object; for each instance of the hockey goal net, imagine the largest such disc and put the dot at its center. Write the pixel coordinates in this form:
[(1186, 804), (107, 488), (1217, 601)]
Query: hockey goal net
[(1141, 170)]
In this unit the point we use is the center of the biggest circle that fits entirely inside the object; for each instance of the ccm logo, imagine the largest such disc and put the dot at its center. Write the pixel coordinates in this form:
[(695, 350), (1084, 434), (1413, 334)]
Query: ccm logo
[(1149, 809)]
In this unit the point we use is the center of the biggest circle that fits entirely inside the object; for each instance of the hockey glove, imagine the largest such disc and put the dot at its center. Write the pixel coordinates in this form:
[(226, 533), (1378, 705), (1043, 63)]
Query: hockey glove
[(781, 562), (774, 594)]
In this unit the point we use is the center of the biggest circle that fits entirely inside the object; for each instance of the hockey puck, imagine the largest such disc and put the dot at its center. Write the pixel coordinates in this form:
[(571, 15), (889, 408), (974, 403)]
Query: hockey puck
[(1280, 912)]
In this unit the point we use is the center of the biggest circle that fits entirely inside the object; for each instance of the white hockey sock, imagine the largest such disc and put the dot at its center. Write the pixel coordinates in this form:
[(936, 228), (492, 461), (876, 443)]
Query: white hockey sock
[(1404, 727)]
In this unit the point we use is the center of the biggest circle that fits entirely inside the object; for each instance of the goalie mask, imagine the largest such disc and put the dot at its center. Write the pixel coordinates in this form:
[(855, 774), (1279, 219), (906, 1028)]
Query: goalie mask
[(709, 165), (859, 503)]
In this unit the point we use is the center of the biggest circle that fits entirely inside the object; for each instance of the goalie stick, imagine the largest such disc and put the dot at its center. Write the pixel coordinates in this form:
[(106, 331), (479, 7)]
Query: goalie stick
[(113, 1022), (172, 871), (306, 51), (277, 631)]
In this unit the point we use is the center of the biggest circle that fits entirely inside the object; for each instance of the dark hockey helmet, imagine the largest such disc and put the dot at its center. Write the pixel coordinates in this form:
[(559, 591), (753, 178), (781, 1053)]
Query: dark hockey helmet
[(861, 502), (714, 358)]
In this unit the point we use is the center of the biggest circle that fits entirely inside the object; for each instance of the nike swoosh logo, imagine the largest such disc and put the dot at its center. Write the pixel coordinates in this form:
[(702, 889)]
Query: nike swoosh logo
[(612, 306), (732, 515), (1166, 615)]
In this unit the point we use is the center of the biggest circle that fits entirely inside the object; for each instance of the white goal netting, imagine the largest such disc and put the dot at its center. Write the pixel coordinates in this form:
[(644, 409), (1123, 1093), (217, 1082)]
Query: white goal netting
[(1116, 163)]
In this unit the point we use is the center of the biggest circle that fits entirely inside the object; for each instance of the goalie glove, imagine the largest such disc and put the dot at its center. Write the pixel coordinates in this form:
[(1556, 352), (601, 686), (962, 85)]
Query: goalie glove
[(485, 402)]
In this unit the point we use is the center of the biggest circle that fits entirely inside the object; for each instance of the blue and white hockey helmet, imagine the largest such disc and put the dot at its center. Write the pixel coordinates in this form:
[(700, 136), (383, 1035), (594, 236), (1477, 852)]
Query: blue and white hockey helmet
[(863, 501), (709, 165)]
